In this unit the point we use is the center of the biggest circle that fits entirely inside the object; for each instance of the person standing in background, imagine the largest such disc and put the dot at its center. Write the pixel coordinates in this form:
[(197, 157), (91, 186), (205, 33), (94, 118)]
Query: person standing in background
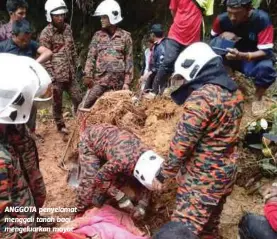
[(57, 36), (17, 10), (109, 63)]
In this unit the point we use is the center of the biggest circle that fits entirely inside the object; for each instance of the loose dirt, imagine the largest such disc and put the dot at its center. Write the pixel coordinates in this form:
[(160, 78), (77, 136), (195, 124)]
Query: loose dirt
[(154, 122)]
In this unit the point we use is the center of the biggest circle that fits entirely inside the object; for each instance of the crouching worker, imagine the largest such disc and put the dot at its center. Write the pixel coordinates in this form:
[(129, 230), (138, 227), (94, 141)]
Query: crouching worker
[(203, 149), (254, 226), (252, 53), (105, 152), (21, 182)]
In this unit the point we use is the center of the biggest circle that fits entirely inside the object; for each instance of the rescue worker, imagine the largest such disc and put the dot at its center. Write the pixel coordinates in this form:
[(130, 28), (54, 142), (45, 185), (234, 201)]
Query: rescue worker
[(20, 178), (157, 56), (57, 36), (21, 44), (254, 226), (253, 51), (185, 30), (17, 10), (203, 149), (109, 63), (105, 153)]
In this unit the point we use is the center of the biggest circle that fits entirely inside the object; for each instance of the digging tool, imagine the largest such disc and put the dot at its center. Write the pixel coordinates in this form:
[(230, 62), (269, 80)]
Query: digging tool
[(73, 176), (81, 108), (137, 99)]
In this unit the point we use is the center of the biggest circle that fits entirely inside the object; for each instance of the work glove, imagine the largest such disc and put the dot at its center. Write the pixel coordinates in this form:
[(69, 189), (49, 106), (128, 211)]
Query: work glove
[(124, 202), (99, 200), (87, 81), (140, 210)]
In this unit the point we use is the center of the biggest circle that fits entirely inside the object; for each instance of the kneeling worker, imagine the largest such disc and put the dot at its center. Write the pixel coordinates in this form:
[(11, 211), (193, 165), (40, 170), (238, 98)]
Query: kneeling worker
[(105, 152)]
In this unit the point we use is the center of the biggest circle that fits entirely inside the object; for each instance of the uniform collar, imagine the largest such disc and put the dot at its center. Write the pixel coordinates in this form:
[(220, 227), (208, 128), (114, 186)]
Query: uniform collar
[(117, 32), (55, 29)]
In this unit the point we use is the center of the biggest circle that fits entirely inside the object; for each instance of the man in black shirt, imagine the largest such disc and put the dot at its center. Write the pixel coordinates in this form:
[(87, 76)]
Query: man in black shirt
[(22, 45)]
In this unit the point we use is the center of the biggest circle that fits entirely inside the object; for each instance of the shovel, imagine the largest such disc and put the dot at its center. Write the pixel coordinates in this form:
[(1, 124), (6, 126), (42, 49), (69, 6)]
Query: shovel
[(61, 163), (73, 176), (81, 106)]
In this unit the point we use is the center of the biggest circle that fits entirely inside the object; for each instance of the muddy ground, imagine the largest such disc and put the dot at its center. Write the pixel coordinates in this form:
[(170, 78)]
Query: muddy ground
[(161, 117)]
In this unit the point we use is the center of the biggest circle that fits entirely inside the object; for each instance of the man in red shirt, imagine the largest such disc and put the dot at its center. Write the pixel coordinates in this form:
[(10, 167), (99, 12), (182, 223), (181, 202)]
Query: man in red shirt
[(185, 30)]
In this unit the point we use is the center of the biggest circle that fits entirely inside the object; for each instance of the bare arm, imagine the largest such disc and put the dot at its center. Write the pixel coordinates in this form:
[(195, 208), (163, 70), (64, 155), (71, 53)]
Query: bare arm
[(45, 40), (44, 54), (234, 54), (253, 56)]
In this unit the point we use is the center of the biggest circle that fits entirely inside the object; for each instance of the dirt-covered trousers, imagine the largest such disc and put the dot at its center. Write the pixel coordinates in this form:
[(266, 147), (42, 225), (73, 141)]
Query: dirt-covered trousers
[(199, 203), (93, 94), (73, 89), (99, 89)]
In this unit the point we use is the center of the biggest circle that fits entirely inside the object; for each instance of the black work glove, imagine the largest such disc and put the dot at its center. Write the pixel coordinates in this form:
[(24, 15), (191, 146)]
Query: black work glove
[(99, 200)]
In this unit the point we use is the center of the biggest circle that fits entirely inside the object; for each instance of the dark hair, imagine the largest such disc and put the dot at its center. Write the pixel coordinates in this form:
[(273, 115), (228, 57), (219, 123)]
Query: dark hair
[(174, 230), (13, 5), (239, 3), (157, 29), (158, 34), (22, 26)]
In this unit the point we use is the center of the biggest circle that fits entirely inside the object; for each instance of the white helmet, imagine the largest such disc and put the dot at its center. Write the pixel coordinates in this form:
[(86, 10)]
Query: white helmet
[(43, 79), (19, 87), (147, 168), (191, 60), (54, 7), (110, 8)]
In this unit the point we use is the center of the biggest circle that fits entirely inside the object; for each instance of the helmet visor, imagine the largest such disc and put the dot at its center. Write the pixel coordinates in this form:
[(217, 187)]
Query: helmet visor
[(59, 10)]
